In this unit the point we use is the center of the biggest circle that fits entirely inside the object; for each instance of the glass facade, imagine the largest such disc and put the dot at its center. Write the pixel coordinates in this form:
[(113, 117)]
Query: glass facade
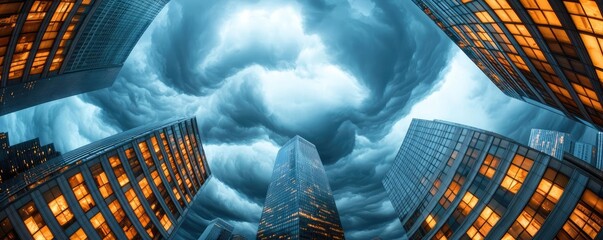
[(110, 189), (540, 51), (489, 186), (299, 203), (217, 229), (22, 157), (556, 144), (45, 43)]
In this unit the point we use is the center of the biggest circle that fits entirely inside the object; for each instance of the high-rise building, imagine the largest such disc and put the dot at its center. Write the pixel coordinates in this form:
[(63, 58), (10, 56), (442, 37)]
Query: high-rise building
[(54, 49), (450, 181), (548, 53), (553, 143), (133, 185), (217, 229), (299, 203), (23, 156), (556, 143)]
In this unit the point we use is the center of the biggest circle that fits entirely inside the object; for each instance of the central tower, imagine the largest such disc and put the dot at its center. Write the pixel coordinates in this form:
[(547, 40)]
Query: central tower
[(299, 203)]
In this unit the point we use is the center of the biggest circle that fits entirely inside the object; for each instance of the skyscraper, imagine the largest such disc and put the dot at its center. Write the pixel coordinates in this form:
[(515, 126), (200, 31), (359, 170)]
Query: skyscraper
[(548, 53), (54, 49), (299, 203), (556, 143), (217, 229), (23, 156), (553, 143), (136, 184), (450, 181)]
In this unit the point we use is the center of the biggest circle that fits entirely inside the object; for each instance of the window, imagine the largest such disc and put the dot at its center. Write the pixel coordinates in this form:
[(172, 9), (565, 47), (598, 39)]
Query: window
[(102, 182), (101, 226), (119, 171), (122, 219), (468, 203), (483, 224), (517, 173), (33, 221), (58, 205), (586, 219), (134, 163), (80, 190), (6, 230), (78, 235), (140, 212), (489, 166), (452, 191), (541, 204)]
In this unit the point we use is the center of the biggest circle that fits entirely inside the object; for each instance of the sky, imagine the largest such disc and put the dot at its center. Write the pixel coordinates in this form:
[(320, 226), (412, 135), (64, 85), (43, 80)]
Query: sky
[(347, 75)]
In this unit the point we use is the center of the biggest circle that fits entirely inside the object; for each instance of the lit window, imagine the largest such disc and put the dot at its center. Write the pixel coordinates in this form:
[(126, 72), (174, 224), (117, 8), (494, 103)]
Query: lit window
[(34, 222), (489, 166), (541, 204), (119, 171), (78, 235), (586, 219), (80, 190), (59, 207), (483, 224), (517, 173), (101, 227), (122, 219), (430, 221)]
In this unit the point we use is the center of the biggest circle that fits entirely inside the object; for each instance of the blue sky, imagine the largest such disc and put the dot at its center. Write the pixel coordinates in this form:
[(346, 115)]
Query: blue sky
[(347, 75)]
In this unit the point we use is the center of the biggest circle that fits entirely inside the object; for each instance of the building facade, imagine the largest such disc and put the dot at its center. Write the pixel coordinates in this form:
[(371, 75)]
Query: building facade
[(548, 53), (553, 143), (556, 143), (450, 181), (134, 185), (23, 156), (55, 49), (299, 203), (217, 229)]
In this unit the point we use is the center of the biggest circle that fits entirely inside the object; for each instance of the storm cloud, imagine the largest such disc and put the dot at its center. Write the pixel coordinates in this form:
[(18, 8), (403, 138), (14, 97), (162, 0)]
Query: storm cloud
[(347, 75)]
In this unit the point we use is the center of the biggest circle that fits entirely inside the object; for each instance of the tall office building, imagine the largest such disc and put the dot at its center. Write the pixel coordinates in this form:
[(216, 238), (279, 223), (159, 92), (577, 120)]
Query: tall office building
[(450, 181), (23, 156), (553, 143), (556, 143), (217, 229), (54, 49), (133, 185), (548, 53), (299, 203)]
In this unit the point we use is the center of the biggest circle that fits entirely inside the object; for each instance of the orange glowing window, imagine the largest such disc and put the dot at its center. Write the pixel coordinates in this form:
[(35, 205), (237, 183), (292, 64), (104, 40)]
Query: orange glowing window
[(518, 170), (101, 226), (489, 166), (468, 203), (59, 207), (430, 221), (586, 219), (483, 224), (119, 171), (34, 222), (78, 235), (541, 204), (80, 190), (122, 219)]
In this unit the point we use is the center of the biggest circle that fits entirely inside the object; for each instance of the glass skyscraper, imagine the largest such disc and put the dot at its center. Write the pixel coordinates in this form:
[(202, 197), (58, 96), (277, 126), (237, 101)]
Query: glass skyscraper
[(217, 229), (450, 181), (299, 203), (23, 156), (54, 49), (556, 143), (133, 185), (548, 53)]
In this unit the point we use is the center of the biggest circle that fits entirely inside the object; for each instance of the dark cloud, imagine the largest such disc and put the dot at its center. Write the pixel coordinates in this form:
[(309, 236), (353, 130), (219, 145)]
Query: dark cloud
[(198, 58)]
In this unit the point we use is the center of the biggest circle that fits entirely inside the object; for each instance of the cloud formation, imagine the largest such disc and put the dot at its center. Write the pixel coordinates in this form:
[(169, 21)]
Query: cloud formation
[(347, 75)]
